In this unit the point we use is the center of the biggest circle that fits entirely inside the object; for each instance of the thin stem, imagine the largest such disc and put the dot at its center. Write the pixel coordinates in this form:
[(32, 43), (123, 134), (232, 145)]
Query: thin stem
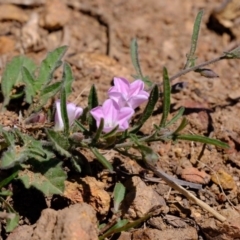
[(183, 191), (183, 72)]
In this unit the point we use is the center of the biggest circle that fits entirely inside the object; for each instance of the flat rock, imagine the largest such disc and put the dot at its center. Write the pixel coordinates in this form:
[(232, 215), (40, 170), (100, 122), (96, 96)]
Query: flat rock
[(140, 198), (11, 12), (55, 15), (75, 222)]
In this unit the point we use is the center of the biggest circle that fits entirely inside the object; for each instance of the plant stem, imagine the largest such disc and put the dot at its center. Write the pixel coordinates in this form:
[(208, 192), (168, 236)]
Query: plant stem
[(185, 71)]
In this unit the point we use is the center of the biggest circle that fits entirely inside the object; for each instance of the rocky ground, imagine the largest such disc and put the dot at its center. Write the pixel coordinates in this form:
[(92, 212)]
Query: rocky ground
[(98, 33)]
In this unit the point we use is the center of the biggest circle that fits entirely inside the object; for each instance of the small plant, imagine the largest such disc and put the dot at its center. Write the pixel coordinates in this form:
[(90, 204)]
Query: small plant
[(37, 162)]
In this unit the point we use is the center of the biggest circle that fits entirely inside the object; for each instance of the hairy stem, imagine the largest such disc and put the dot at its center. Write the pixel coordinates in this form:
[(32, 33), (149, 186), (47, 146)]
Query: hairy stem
[(185, 71)]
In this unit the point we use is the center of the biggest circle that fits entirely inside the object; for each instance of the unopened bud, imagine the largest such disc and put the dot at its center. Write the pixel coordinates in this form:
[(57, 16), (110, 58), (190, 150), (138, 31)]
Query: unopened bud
[(206, 72)]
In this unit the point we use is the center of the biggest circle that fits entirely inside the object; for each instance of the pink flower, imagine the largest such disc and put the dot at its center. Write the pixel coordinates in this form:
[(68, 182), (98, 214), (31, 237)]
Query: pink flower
[(128, 94), (73, 113), (113, 115)]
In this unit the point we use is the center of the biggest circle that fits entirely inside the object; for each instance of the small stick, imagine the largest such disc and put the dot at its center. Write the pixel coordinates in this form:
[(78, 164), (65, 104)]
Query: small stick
[(183, 191)]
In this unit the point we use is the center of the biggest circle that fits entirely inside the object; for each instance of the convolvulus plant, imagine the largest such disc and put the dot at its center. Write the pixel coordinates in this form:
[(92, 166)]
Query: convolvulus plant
[(37, 162)]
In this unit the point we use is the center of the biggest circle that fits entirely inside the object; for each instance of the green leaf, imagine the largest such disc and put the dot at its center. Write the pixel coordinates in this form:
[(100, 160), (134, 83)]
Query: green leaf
[(12, 222), (81, 127), (47, 177), (98, 133), (234, 54), (147, 113), (92, 103), (8, 137), (8, 179), (118, 195), (115, 229), (59, 141), (6, 193), (111, 133), (102, 159), (202, 139), (46, 94), (28, 79), (13, 156), (76, 164), (12, 75), (148, 154), (135, 59), (182, 125), (34, 148), (166, 97), (196, 28), (49, 65), (67, 78), (176, 117), (13, 217), (64, 114)]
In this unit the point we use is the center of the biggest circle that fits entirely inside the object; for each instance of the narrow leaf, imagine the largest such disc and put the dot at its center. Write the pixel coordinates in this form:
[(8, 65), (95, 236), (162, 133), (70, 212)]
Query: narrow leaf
[(115, 229), (81, 127), (64, 114), (49, 65), (76, 164), (148, 154), (135, 59), (59, 141), (67, 78), (102, 159), (147, 113), (234, 54), (118, 195), (99, 131), (111, 133), (182, 125), (196, 28), (166, 97), (176, 117), (92, 103), (202, 139), (8, 179)]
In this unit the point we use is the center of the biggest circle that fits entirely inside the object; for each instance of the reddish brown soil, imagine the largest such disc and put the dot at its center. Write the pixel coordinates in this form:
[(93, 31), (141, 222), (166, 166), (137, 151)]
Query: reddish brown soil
[(98, 33)]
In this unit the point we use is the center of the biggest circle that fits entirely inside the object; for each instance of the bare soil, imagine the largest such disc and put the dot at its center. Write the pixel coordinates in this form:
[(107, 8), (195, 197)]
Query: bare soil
[(98, 33)]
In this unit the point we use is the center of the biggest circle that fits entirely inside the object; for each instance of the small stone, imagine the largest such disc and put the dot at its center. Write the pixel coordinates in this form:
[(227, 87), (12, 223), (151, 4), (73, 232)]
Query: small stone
[(224, 179), (55, 15), (11, 12), (141, 198), (192, 174), (7, 45), (24, 2)]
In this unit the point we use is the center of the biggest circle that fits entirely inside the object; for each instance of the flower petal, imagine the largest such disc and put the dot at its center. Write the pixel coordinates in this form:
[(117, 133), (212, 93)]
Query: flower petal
[(136, 87), (58, 118), (110, 110), (73, 112), (124, 116), (137, 100), (97, 114), (120, 85), (118, 98)]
